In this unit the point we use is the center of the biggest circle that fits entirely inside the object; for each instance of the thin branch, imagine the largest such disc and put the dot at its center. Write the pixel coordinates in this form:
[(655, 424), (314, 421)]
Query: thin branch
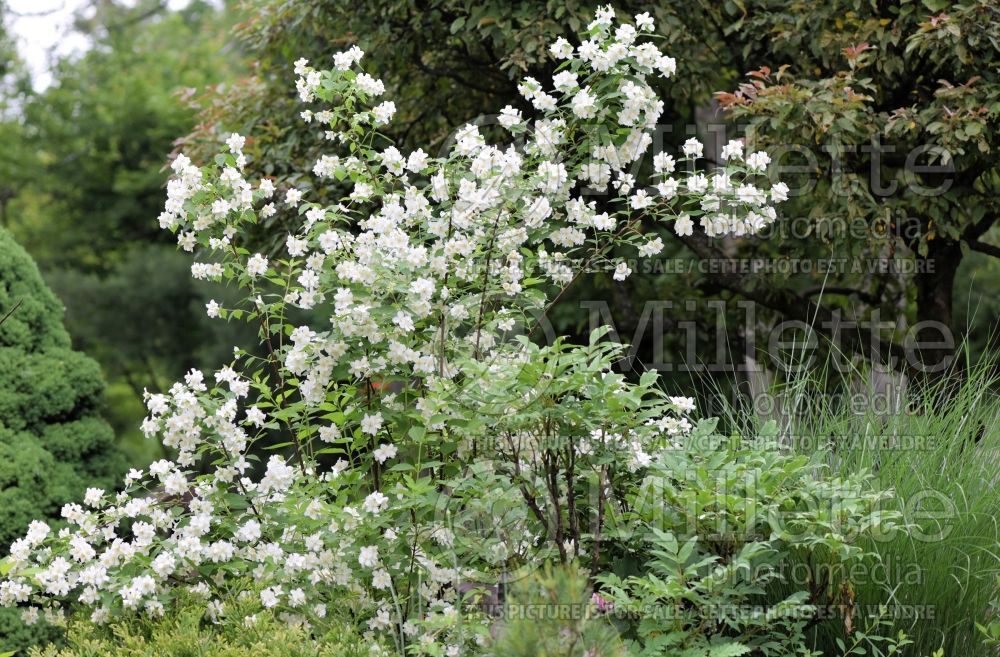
[(982, 247), (838, 289), (11, 311)]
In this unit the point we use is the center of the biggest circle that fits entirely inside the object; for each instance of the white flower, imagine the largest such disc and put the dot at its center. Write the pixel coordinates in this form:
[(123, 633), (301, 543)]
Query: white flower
[(369, 85), (270, 597), (663, 163), (368, 556), (732, 150), (164, 563), (385, 452), (757, 162), (326, 166), (221, 551), (644, 22), (375, 503), (329, 434), (651, 248), (693, 148), (683, 404), (175, 483), (296, 246), (565, 81), (249, 532), (668, 188), (381, 579), (257, 265), (779, 192), (371, 424), (561, 49), (667, 66), (278, 477), (641, 199), (684, 226), (256, 417), (212, 308), (750, 195), (417, 161), (29, 615), (236, 143), (509, 117), (94, 497), (584, 104), (81, 550), (697, 183), (622, 271), (384, 112), (625, 34), (344, 60), (293, 197)]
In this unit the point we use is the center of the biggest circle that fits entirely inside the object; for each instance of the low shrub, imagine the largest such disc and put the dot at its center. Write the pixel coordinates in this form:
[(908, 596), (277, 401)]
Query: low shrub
[(185, 632), (554, 613), (713, 534)]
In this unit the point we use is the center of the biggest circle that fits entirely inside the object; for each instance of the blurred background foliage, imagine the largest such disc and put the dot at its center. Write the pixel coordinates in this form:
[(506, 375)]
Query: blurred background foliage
[(83, 164)]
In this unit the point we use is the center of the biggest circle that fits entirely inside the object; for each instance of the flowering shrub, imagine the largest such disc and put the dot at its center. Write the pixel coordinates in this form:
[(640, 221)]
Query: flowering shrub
[(424, 445)]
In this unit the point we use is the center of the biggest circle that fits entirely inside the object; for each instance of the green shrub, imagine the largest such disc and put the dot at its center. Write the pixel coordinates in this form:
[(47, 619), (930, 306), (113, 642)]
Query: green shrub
[(553, 614), (53, 442), (185, 632), (714, 529)]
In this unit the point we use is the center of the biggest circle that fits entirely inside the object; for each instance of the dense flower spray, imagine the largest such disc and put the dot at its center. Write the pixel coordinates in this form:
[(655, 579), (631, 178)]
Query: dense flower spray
[(429, 273)]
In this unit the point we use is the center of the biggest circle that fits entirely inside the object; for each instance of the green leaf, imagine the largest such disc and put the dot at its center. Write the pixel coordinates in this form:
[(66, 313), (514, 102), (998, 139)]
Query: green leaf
[(728, 650)]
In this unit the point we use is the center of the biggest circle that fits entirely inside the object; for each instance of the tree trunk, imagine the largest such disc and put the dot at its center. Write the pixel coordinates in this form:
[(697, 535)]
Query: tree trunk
[(934, 349)]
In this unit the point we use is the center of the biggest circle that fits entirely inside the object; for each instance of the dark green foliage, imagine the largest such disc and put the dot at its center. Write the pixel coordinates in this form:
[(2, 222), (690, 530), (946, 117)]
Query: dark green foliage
[(40, 473), (36, 324), (168, 331), (53, 443), (899, 104)]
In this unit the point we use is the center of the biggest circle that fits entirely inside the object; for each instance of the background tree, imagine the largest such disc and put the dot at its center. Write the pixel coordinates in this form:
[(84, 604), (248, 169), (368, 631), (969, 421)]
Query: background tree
[(899, 106), (86, 158)]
